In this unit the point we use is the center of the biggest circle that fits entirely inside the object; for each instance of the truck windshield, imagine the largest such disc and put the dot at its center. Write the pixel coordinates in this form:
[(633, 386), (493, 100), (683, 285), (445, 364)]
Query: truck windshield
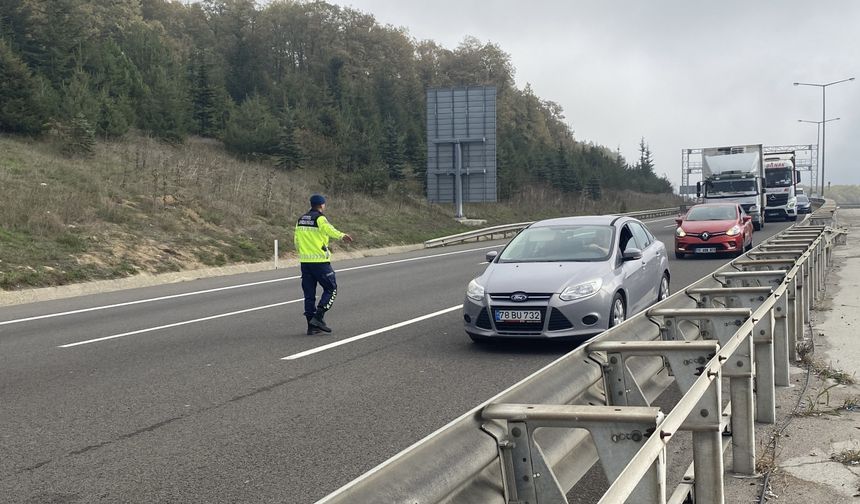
[(778, 177), (732, 186)]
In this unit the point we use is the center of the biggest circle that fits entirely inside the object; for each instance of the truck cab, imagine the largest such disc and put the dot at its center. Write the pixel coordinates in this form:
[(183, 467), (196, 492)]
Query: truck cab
[(781, 178)]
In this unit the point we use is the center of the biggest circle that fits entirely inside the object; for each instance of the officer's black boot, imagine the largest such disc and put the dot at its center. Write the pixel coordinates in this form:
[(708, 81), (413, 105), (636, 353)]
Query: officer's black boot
[(311, 329), (317, 321)]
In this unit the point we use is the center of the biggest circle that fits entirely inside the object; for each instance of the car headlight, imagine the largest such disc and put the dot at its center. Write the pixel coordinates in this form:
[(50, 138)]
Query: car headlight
[(581, 291), (680, 232), (753, 209), (475, 291), (734, 230)]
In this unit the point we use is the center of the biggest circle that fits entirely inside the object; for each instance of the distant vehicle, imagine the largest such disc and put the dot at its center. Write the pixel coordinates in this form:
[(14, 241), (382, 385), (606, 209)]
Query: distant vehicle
[(713, 228), (781, 178), (567, 278), (800, 190), (734, 174), (804, 206)]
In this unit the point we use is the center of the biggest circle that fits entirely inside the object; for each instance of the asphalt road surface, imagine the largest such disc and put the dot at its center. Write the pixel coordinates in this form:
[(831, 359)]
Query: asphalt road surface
[(210, 391)]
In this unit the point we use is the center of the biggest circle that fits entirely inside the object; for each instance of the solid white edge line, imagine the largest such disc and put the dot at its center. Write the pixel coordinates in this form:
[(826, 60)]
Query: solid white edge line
[(371, 333), (229, 287), (177, 324)]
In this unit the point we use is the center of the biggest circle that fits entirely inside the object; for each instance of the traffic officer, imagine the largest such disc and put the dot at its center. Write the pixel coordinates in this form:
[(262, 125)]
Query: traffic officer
[(312, 235)]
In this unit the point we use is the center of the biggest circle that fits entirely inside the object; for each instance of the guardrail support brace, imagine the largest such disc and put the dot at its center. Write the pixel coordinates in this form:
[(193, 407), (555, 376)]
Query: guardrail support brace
[(618, 434)]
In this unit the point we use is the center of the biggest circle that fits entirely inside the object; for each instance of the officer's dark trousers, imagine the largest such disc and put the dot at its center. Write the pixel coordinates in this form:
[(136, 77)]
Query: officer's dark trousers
[(322, 274)]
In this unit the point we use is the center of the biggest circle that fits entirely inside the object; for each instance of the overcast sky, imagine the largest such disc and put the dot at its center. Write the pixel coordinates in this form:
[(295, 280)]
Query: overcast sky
[(681, 73)]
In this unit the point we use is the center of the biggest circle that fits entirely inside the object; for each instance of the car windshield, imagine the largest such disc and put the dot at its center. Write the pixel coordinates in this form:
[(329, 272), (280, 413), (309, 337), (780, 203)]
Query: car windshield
[(560, 243), (705, 213), (801, 198)]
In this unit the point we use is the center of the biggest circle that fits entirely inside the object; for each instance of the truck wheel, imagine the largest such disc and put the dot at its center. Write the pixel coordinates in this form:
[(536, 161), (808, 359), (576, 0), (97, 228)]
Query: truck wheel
[(793, 218)]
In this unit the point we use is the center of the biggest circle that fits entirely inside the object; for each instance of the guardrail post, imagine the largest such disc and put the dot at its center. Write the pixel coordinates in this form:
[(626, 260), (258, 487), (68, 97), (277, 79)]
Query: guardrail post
[(618, 433), (791, 292), (687, 360), (781, 375), (752, 298), (739, 369), (721, 325)]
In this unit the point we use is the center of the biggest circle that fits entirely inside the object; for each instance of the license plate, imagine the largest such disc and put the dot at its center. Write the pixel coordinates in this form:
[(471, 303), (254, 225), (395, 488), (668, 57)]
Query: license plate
[(520, 316), (706, 250)]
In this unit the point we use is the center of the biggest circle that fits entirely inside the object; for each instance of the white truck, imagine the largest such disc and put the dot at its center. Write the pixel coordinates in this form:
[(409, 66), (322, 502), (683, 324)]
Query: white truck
[(780, 182), (734, 174)]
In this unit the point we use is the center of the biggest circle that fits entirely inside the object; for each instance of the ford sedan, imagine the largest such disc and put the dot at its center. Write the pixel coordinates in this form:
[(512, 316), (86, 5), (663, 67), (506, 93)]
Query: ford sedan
[(572, 277)]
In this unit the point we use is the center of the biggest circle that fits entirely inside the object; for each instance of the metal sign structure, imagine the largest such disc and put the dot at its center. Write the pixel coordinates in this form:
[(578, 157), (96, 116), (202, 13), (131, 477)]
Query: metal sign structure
[(461, 145), (806, 160)]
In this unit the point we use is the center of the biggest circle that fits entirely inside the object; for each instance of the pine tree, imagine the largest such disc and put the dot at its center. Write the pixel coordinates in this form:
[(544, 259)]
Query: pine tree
[(646, 161), (289, 154), (20, 109), (203, 95), (392, 150)]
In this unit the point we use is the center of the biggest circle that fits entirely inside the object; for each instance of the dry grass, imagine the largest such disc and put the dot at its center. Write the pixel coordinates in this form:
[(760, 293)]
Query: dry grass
[(142, 205)]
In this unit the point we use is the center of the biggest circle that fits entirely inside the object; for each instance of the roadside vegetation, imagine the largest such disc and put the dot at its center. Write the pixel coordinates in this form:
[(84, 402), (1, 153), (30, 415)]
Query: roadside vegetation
[(141, 205)]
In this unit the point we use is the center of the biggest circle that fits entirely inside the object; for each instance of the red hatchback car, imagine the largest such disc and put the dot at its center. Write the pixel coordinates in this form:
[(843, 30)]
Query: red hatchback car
[(713, 228)]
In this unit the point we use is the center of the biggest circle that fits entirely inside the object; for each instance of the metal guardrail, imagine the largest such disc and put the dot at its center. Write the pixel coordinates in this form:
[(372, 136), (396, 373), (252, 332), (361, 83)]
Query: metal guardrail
[(741, 322), (502, 231)]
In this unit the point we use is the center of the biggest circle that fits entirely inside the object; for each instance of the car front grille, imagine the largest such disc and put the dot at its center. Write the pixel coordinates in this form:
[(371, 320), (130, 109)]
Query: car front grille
[(557, 321), (532, 296), (710, 235), (521, 327)]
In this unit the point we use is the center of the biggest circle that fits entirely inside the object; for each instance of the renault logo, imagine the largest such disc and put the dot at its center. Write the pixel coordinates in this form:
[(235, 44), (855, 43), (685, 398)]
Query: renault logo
[(519, 297), (705, 236)]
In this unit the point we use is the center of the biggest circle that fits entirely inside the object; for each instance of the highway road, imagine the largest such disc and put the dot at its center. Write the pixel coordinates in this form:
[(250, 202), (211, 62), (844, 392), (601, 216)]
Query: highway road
[(210, 391)]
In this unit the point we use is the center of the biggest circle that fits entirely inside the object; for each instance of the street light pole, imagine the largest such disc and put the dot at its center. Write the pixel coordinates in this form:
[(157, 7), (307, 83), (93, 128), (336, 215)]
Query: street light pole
[(818, 125), (823, 121)]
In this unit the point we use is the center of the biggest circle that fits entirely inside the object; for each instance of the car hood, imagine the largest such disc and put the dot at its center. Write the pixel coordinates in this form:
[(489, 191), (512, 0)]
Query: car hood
[(712, 226), (540, 277)]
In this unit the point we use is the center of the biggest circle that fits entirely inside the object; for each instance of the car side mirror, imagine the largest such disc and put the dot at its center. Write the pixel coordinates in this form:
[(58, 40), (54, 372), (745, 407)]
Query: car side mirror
[(631, 254), (747, 218), (491, 255)]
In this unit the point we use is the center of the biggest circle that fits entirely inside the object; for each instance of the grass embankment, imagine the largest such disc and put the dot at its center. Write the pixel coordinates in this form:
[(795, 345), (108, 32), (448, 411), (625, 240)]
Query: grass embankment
[(140, 205)]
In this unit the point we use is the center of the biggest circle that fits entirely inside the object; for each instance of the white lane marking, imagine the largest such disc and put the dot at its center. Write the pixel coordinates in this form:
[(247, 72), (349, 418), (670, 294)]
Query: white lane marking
[(177, 324), (485, 262), (371, 333), (670, 226), (218, 289)]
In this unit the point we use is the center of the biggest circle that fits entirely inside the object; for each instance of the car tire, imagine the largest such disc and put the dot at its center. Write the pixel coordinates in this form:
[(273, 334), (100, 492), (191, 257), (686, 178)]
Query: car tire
[(679, 255), (618, 310), (663, 290)]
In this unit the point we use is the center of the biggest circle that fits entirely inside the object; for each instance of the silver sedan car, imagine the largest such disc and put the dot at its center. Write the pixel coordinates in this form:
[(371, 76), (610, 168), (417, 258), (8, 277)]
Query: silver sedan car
[(567, 278)]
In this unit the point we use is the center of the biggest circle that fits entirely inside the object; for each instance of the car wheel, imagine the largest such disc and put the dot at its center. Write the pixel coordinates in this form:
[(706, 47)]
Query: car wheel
[(750, 246), (618, 312), (663, 292), (679, 255)]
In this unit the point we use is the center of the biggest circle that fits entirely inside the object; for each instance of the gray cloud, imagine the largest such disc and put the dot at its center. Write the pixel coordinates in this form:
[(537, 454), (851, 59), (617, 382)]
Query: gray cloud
[(680, 73)]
